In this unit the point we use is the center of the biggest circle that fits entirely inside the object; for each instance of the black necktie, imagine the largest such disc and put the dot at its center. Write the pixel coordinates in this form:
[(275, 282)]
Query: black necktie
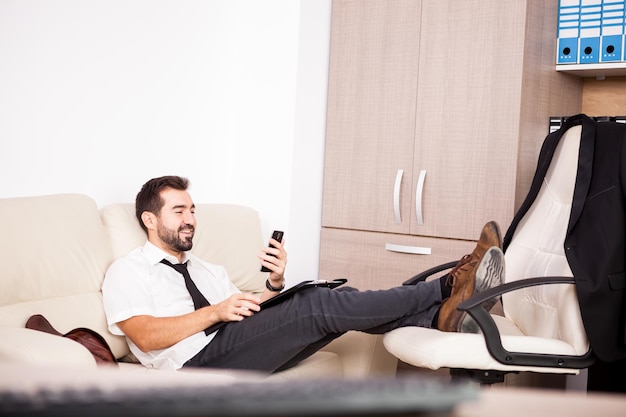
[(199, 300)]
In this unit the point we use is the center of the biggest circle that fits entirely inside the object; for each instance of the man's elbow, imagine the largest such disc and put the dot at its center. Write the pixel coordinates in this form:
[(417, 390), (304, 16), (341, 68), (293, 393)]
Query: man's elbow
[(143, 346)]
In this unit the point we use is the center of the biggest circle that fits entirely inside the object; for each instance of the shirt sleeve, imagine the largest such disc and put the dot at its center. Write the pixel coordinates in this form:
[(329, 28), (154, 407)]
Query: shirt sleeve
[(126, 292)]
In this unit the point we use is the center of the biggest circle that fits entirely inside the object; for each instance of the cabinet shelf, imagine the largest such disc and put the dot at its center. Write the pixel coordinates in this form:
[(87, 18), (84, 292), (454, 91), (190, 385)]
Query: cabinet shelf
[(612, 69)]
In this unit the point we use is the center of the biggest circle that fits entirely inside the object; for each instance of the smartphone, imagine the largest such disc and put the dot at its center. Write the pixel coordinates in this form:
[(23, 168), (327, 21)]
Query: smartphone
[(278, 235)]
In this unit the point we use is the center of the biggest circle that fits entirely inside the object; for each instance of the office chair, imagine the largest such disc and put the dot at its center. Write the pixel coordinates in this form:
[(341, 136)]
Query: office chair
[(542, 329)]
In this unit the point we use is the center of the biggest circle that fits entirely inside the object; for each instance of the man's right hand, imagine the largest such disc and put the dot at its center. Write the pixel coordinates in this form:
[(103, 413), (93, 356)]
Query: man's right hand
[(237, 307)]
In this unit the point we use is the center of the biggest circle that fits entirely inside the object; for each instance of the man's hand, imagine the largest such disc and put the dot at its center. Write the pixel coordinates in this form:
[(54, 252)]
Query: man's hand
[(274, 259), (237, 307)]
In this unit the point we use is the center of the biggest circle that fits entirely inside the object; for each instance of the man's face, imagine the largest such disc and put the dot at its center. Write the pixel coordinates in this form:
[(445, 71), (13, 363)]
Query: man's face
[(176, 223)]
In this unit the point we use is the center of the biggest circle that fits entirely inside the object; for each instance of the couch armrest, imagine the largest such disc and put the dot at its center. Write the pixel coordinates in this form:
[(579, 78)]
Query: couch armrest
[(20, 345), (363, 355)]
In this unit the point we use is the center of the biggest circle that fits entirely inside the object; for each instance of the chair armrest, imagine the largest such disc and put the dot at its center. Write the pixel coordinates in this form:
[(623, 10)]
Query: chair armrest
[(474, 308), (422, 276)]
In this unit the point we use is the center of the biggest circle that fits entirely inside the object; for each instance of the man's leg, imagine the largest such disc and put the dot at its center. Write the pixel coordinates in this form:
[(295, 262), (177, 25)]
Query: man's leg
[(282, 335), (290, 331)]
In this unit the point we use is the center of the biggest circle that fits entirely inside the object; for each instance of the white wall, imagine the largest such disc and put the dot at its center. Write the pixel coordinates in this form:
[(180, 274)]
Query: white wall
[(305, 220), (96, 97)]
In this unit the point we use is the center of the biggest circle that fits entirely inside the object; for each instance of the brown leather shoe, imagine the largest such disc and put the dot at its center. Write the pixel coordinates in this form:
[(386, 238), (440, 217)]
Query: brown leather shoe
[(489, 274), (463, 277)]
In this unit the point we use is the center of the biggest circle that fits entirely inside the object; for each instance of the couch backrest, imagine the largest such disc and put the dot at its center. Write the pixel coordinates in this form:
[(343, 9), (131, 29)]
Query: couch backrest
[(54, 252), (51, 246), (226, 234)]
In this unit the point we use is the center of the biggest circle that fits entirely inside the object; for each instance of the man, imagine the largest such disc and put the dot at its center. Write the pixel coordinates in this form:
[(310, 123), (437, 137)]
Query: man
[(147, 300)]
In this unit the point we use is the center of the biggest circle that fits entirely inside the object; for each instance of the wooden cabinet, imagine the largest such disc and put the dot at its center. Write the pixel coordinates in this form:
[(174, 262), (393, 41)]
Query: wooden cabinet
[(436, 112), (371, 113)]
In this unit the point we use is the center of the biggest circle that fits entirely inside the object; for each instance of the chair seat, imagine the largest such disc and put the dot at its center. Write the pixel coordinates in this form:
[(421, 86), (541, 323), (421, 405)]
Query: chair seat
[(439, 349)]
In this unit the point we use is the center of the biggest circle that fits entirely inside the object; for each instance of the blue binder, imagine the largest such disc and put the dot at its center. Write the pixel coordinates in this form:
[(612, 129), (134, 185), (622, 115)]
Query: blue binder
[(590, 23), (568, 32), (612, 31)]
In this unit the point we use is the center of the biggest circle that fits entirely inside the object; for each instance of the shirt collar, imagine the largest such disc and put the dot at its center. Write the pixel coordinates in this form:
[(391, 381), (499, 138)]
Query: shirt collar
[(155, 254)]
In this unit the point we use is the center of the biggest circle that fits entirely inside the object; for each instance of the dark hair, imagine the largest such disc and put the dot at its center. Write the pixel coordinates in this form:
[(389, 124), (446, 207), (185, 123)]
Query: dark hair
[(149, 197)]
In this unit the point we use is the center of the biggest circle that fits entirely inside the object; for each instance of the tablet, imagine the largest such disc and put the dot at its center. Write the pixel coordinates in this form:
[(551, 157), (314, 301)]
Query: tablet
[(288, 293)]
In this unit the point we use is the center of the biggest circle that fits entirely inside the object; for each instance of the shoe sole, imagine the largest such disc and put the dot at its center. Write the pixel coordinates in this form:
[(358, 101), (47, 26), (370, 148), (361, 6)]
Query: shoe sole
[(489, 274)]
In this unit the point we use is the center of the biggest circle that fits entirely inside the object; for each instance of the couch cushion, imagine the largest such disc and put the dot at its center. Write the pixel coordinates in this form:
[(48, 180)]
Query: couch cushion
[(363, 355), (67, 313), (319, 365), (19, 345), (226, 234)]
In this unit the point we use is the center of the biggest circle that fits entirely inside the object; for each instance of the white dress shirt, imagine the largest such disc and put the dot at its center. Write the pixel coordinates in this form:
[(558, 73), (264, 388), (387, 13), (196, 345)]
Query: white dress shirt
[(138, 284)]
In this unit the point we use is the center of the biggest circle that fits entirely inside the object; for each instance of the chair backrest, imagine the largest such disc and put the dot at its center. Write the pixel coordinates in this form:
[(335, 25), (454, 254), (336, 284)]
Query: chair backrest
[(537, 250)]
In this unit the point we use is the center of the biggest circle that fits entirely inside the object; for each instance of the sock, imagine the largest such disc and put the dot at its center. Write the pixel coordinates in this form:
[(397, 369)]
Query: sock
[(435, 323), (446, 290)]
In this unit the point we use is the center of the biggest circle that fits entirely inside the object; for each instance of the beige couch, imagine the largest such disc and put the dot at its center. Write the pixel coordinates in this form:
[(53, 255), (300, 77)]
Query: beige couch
[(54, 251)]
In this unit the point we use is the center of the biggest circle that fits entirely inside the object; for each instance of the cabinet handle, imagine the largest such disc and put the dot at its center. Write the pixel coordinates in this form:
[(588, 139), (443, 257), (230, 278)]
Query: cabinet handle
[(419, 192), (396, 196), (415, 250)]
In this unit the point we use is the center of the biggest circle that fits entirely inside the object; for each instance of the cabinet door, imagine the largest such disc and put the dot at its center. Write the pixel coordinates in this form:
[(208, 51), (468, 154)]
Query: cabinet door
[(371, 114), (468, 114)]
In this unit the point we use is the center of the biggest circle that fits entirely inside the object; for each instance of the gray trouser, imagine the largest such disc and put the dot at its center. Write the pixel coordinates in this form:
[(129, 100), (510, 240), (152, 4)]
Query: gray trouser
[(279, 337)]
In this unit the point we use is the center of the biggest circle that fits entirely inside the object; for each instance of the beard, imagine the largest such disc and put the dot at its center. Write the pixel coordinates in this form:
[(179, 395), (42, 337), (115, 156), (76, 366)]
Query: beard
[(172, 238)]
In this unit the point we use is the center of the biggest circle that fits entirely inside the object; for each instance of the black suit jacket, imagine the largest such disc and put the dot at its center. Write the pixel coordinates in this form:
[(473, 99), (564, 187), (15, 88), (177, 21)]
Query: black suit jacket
[(595, 241)]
